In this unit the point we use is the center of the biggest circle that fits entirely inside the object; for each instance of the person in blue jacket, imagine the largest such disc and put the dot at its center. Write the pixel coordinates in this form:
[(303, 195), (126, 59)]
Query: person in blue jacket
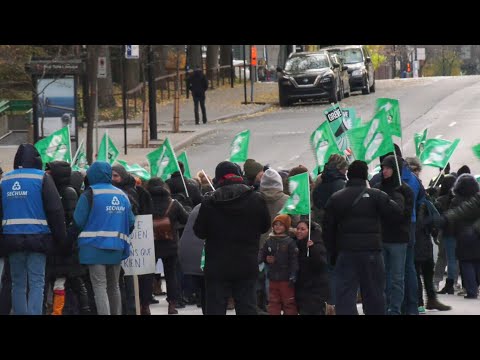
[(105, 220)]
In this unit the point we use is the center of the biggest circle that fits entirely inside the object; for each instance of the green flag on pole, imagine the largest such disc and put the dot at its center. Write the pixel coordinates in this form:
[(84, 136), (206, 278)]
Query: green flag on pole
[(371, 140), (323, 144), (239, 147), (420, 139), (80, 159), (392, 108), (437, 152), (299, 201), (107, 145), (136, 170), (55, 146), (202, 259), (476, 150), (184, 159), (163, 161)]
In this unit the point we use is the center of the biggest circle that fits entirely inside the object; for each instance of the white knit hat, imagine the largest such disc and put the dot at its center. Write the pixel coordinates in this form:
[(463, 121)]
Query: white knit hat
[(271, 180)]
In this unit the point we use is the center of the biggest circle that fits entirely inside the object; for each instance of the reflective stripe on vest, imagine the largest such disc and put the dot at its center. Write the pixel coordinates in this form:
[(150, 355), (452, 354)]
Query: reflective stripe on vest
[(22, 176), (24, 222), (107, 234), (108, 191)]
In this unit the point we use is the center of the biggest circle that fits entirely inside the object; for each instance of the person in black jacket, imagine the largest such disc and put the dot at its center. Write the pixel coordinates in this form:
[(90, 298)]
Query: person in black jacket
[(175, 184), (231, 220), (198, 85), (352, 229), (311, 288), (167, 250), (27, 250), (395, 237), (63, 268)]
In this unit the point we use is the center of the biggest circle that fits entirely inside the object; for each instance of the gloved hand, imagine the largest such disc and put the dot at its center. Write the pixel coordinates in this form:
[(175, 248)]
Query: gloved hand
[(292, 281)]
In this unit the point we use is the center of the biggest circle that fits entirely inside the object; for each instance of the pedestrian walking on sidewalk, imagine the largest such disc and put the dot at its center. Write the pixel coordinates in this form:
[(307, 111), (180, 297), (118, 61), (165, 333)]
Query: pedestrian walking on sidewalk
[(198, 84)]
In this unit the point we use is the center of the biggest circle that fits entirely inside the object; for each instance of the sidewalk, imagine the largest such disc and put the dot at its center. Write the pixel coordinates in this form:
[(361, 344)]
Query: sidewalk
[(222, 104)]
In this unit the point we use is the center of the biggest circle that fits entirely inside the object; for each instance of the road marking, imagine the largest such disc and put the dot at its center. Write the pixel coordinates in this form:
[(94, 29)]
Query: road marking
[(452, 124), (438, 136)]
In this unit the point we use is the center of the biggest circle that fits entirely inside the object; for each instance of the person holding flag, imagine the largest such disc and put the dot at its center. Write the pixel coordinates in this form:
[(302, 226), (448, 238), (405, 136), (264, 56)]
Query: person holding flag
[(231, 220), (352, 234)]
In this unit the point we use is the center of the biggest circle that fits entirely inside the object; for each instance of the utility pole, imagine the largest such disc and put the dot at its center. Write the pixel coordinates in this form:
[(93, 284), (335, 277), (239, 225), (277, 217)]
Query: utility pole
[(152, 94), (124, 96), (245, 74), (176, 110), (92, 51)]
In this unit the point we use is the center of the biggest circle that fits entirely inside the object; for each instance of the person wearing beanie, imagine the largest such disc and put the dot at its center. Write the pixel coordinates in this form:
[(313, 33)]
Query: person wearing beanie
[(280, 252), (33, 225), (377, 177), (231, 220), (251, 169), (463, 170), (352, 233), (395, 236), (177, 190)]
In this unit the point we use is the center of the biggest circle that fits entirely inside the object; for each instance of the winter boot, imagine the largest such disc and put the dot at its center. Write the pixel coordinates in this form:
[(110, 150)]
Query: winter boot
[(58, 302), (145, 310), (434, 304), (447, 289), (230, 304), (172, 309)]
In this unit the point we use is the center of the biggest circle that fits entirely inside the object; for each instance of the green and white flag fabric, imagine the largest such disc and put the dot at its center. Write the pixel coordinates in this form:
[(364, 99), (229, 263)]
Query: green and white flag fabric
[(476, 150), (239, 148), (299, 201), (371, 140), (55, 146), (136, 170), (107, 151), (202, 259), (339, 125), (323, 144), (437, 152), (350, 118), (80, 159), (184, 159), (420, 139), (163, 161), (392, 108), (375, 171)]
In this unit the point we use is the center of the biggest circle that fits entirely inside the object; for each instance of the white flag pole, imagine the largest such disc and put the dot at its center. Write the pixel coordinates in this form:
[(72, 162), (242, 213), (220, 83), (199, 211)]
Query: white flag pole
[(78, 151), (70, 141), (180, 170), (309, 221), (206, 177)]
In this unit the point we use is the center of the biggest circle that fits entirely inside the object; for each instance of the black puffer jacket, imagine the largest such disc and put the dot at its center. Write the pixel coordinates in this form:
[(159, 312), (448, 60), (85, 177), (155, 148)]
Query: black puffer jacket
[(175, 184), (198, 83), (178, 216), (423, 236), (76, 180), (311, 289), (332, 181), (358, 228), (231, 220), (285, 251), (27, 156)]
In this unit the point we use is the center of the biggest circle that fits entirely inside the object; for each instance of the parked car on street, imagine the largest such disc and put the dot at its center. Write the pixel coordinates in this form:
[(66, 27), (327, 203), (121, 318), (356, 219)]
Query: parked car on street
[(360, 66), (344, 77), (309, 76)]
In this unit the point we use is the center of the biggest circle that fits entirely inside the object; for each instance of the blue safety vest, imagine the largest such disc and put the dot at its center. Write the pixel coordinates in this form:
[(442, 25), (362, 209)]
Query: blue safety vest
[(108, 222), (22, 203)]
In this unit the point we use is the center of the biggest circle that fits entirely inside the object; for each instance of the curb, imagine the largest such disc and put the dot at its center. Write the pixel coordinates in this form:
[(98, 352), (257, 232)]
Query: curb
[(230, 116), (191, 139)]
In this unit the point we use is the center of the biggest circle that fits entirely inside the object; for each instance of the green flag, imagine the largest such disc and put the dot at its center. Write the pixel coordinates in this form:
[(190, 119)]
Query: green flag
[(184, 159), (420, 139), (340, 125), (350, 118), (392, 108), (323, 144), (375, 171), (107, 145), (371, 140), (476, 150), (477, 177), (239, 148), (437, 152), (163, 161), (202, 259), (80, 159), (299, 201), (136, 170), (55, 146)]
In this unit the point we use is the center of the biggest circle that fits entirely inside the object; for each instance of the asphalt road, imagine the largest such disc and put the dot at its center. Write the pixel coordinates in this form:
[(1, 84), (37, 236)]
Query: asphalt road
[(448, 106)]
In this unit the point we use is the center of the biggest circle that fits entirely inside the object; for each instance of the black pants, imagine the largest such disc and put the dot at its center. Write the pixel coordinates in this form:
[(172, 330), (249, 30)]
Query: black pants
[(78, 289), (6, 292), (145, 288), (196, 101), (127, 293), (170, 269), (364, 270), (426, 268), (243, 292), (199, 283)]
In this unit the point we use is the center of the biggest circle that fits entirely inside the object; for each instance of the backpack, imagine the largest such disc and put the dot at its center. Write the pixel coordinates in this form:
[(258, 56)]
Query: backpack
[(162, 226), (184, 200)]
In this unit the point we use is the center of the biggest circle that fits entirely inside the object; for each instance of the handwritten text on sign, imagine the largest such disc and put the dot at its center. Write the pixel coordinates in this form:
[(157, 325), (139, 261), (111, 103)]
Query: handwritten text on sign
[(142, 252)]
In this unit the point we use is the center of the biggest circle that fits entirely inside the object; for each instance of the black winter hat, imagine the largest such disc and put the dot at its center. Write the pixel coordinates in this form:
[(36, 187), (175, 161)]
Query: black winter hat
[(227, 167), (463, 170), (358, 170)]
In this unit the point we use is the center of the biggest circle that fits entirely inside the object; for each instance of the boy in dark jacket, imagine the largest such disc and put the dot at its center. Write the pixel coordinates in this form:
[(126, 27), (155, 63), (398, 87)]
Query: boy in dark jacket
[(281, 253)]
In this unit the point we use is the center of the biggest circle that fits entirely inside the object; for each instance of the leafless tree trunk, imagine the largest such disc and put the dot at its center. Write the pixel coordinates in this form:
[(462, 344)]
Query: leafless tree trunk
[(105, 86), (133, 73), (212, 62), (225, 59), (92, 79), (195, 56), (161, 52)]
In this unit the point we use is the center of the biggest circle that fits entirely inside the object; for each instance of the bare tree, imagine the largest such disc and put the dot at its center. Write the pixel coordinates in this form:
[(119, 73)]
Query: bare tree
[(92, 80), (195, 56), (225, 59), (212, 62)]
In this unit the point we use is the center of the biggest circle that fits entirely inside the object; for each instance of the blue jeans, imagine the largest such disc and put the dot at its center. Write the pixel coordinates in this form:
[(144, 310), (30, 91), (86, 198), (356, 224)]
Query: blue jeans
[(450, 245), (31, 266), (471, 272), (410, 304), (2, 265), (394, 256)]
